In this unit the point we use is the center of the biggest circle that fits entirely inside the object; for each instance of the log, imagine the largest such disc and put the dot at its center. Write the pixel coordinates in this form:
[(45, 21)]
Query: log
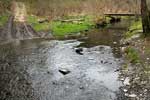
[(72, 20)]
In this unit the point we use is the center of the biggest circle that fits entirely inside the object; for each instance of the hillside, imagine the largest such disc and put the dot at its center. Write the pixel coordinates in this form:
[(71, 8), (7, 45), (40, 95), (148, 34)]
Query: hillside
[(54, 8)]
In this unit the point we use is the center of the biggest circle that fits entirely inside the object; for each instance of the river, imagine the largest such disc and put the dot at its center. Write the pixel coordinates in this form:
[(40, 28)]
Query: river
[(54, 69)]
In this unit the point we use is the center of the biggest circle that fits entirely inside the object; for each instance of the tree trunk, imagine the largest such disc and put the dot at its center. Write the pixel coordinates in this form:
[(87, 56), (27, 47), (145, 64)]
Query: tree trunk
[(145, 17)]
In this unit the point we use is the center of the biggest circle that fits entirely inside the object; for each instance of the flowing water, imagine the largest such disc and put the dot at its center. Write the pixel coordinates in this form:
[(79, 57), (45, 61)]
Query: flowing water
[(31, 69)]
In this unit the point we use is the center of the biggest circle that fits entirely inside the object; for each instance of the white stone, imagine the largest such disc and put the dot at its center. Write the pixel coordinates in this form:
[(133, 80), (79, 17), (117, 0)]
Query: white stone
[(132, 95), (126, 94), (122, 79), (125, 90), (114, 42), (126, 81), (123, 49), (147, 58)]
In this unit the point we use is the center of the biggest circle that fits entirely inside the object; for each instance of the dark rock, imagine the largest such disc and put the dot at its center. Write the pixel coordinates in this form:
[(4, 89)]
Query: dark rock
[(54, 83), (105, 62), (48, 72), (101, 48), (117, 70), (64, 71), (81, 87), (114, 20), (86, 30), (79, 51), (110, 63), (8, 94), (9, 63)]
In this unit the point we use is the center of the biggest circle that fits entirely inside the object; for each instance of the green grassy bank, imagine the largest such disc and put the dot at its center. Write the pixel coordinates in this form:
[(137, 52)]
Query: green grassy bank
[(64, 26), (3, 19), (135, 28)]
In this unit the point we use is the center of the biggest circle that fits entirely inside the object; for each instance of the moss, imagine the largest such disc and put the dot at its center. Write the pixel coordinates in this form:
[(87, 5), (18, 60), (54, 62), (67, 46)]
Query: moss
[(60, 29), (136, 25), (132, 55), (108, 20), (3, 19), (33, 20), (134, 29)]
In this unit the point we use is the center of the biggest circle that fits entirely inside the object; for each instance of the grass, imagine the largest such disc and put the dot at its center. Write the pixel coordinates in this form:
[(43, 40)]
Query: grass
[(132, 55), (108, 20), (33, 20), (61, 28), (3, 20), (134, 29)]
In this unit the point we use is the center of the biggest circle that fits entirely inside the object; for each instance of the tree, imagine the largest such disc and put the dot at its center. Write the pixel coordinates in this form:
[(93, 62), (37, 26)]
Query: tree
[(145, 17)]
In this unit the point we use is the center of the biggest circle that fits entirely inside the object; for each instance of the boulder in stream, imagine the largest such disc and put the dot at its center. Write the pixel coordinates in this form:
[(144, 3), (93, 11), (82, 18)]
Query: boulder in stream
[(79, 51), (64, 71)]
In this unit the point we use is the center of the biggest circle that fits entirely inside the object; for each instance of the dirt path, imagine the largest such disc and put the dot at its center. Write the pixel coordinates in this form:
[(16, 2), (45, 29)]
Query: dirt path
[(17, 27)]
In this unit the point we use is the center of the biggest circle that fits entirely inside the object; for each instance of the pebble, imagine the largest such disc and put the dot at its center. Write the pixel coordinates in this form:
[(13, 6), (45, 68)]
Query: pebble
[(48, 72), (132, 95), (81, 87), (122, 79), (114, 42), (90, 58), (54, 83), (126, 81), (148, 58), (125, 90), (123, 49)]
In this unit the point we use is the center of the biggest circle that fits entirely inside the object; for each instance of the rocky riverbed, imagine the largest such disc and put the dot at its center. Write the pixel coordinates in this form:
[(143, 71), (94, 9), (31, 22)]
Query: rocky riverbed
[(80, 69)]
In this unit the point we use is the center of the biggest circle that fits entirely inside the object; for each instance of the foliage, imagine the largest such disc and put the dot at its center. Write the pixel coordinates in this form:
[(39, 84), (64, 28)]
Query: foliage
[(134, 29), (3, 20), (33, 20), (136, 26), (132, 55)]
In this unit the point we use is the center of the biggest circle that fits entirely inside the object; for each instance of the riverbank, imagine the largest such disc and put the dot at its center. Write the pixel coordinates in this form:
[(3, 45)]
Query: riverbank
[(70, 25), (135, 73)]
